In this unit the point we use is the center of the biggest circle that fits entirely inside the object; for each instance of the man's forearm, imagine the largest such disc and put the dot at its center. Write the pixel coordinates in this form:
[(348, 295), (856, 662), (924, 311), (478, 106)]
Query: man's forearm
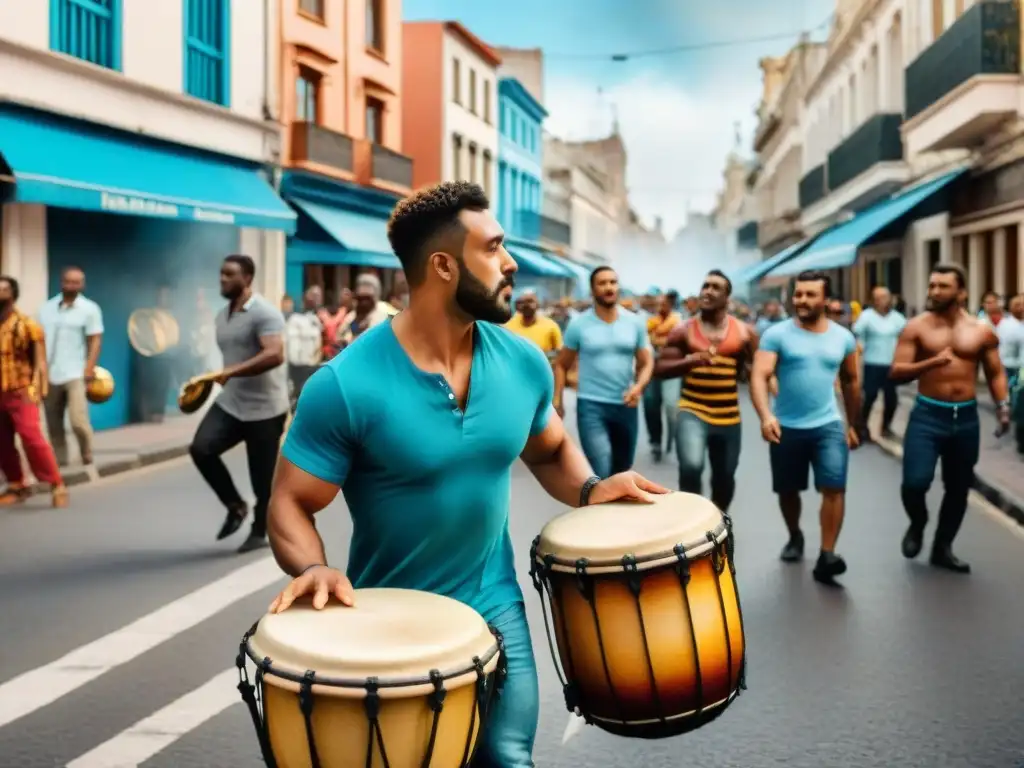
[(559, 382), (93, 355), (759, 395), (293, 536), (999, 387), (563, 473), (254, 366), (643, 377), (851, 399), (905, 372)]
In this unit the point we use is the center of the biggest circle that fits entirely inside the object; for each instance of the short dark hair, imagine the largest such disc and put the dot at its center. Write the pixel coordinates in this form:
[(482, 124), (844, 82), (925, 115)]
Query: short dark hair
[(673, 297), (15, 288), (814, 276), (951, 269), (721, 274), (986, 294), (71, 268), (598, 271), (245, 263), (426, 215)]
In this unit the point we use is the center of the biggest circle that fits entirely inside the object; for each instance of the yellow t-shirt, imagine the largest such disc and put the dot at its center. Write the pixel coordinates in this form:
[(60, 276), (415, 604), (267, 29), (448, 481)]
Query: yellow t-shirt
[(658, 327), (544, 332)]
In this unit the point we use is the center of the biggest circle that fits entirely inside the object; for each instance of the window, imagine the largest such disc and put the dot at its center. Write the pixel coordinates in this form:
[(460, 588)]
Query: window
[(472, 162), (487, 170), (374, 25), (472, 91), (456, 81), (456, 157), (87, 29), (487, 101), (307, 96), (314, 8), (207, 34), (375, 120)]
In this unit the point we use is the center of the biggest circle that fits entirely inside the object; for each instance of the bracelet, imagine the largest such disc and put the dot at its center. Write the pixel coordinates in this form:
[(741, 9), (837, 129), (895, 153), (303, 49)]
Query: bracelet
[(588, 486), (1003, 404), (311, 567)]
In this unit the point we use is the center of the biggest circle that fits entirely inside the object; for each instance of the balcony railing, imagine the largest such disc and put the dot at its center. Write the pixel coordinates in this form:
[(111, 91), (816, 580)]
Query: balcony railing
[(985, 40), (813, 186), (391, 166), (554, 230), (878, 140), (316, 144)]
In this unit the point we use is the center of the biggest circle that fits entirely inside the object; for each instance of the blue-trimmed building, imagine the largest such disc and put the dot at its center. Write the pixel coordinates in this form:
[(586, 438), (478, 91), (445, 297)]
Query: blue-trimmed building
[(520, 191), (145, 180)]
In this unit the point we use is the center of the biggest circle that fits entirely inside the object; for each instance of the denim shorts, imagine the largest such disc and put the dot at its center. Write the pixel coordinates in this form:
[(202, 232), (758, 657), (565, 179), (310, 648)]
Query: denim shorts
[(824, 448)]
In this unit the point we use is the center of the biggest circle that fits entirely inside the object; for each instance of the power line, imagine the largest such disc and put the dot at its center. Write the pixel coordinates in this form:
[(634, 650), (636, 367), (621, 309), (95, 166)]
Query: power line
[(689, 48)]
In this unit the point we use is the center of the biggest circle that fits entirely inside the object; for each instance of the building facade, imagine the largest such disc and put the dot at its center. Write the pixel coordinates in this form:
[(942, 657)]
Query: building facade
[(339, 78), (451, 105), (136, 142), (520, 160)]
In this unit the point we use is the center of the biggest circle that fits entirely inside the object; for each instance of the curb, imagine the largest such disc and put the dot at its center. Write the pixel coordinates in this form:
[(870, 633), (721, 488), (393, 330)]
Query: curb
[(83, 476), (993, 493)]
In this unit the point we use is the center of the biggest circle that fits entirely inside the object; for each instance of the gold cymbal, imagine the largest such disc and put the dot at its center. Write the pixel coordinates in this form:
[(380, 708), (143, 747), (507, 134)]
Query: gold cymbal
[(152, 331), (101, 387)]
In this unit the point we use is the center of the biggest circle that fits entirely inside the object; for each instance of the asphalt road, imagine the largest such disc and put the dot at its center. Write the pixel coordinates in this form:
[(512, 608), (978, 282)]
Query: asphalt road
[(905, 667)]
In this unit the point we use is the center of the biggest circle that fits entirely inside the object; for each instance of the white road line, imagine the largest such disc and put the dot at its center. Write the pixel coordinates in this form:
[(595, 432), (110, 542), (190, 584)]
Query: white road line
[(42, 686), (150, 736)]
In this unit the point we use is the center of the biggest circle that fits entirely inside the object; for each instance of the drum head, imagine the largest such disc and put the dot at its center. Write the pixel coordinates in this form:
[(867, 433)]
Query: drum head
[(604, 533), (395, 635)]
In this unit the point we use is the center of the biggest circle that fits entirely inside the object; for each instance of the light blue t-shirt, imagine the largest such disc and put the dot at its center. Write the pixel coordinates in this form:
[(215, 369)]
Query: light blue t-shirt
[(878, 335), (607, 354), (427, 484), (67, 329), (807, 368)]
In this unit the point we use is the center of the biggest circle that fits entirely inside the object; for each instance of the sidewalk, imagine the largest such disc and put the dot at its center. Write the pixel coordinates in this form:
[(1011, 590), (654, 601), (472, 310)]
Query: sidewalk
[(999, 475)]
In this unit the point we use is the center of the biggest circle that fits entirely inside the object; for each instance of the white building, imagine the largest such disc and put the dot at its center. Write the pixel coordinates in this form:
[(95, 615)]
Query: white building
[(470, 124), (132, 139)]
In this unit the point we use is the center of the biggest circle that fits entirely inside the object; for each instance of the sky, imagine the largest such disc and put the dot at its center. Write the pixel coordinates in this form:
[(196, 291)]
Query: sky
[(677, 112)]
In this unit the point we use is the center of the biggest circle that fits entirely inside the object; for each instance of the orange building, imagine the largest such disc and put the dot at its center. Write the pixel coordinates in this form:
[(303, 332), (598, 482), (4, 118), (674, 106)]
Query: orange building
[(340, 86)]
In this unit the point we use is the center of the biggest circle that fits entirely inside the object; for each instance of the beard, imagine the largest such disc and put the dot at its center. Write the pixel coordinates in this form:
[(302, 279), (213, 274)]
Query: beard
[(809, 313), (480, 303), (605, 301), (938, 305)]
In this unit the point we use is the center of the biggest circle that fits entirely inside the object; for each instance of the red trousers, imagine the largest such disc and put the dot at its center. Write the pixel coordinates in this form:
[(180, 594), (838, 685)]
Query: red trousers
[(19, 415)]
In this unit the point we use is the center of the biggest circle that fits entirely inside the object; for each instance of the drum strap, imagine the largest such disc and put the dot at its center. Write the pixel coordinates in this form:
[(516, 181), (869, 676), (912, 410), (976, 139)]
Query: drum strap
[(306, 705), (251, 696), (436, 703), (372, 703)]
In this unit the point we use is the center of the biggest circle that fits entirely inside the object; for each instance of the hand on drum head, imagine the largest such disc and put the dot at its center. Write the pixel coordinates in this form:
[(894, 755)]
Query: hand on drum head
[(626, 486), (322, 583)]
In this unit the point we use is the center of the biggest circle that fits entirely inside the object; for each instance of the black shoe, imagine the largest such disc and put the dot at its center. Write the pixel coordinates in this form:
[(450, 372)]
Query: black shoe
[(793, 552), (656, 454), (943, 557), (252, 543), (235, 517), (829, 566), (913, 540)]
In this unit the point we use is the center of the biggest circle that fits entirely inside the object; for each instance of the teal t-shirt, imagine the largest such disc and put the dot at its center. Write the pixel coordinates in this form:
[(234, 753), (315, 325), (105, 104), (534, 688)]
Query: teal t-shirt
[(607, 354), (428, 485)]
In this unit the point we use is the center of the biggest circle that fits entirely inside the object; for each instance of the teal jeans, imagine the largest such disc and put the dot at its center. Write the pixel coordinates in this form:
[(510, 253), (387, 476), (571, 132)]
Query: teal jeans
[(512, 726)]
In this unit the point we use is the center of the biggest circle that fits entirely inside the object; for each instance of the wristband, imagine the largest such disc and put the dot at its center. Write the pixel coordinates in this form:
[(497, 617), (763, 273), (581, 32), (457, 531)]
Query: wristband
[(588, 486), (1003, 404), (311, 567)]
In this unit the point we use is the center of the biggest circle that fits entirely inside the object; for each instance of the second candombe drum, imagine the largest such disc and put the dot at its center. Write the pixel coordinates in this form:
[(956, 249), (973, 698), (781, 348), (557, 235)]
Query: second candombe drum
[(100, 388), (402, 680), (642, 610)]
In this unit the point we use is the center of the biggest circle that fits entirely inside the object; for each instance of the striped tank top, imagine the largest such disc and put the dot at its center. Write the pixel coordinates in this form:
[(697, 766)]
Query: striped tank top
[(710, 392)]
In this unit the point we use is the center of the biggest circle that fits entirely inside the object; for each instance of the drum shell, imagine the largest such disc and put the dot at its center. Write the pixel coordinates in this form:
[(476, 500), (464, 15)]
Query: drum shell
[(341, 730), (692, 630)]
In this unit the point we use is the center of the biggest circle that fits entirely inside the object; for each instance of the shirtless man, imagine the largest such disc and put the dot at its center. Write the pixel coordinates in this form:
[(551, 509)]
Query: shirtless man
[(711, 351), (943, 348)]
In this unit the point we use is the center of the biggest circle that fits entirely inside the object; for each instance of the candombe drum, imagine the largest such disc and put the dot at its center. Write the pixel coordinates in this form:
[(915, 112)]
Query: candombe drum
[(152, 331), (642, 613), (101, 387), (195, 392), (404, 679)]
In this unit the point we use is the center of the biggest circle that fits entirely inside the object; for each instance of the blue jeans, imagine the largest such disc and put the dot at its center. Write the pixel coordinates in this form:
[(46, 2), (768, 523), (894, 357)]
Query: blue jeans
[(824, 448), (876, 380), (512, 726), (661, 400), (695, 438), (947, 433), (608, 433)]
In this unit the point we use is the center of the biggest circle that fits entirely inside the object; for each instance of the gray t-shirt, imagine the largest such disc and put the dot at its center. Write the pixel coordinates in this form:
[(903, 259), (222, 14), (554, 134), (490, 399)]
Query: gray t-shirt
[(251, 398)]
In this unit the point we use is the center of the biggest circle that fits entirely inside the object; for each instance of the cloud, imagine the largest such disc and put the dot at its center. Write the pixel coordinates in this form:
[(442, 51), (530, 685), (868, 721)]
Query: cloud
[(677, 139)]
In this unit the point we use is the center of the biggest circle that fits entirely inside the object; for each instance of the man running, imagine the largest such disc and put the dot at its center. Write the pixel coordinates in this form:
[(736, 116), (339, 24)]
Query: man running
[(877, 330), (253, 404), (942, 347), (710, 352), (610, 343), (424, 458), (806, 430)]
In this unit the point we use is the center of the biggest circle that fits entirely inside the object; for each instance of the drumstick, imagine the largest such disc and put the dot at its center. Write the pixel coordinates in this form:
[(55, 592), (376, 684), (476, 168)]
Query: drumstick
[(572, 728)]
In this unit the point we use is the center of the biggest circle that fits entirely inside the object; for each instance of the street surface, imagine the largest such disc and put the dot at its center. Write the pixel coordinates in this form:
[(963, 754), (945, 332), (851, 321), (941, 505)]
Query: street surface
[(905, 667)]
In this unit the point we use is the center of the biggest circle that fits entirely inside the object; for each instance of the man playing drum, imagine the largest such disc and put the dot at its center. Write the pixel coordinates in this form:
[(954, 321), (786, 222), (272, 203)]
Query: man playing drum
[(424, 458)]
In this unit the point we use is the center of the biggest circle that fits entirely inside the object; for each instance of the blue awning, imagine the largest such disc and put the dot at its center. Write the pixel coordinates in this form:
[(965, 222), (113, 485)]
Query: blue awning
[(363, 239), (560, 264), (754, 272), (313, 252), (535, 264), (67, 164), (837, 248)]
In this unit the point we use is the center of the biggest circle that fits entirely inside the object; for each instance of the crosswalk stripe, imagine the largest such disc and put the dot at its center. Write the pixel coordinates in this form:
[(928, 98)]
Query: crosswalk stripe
[(42, 686), (155, 733)]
